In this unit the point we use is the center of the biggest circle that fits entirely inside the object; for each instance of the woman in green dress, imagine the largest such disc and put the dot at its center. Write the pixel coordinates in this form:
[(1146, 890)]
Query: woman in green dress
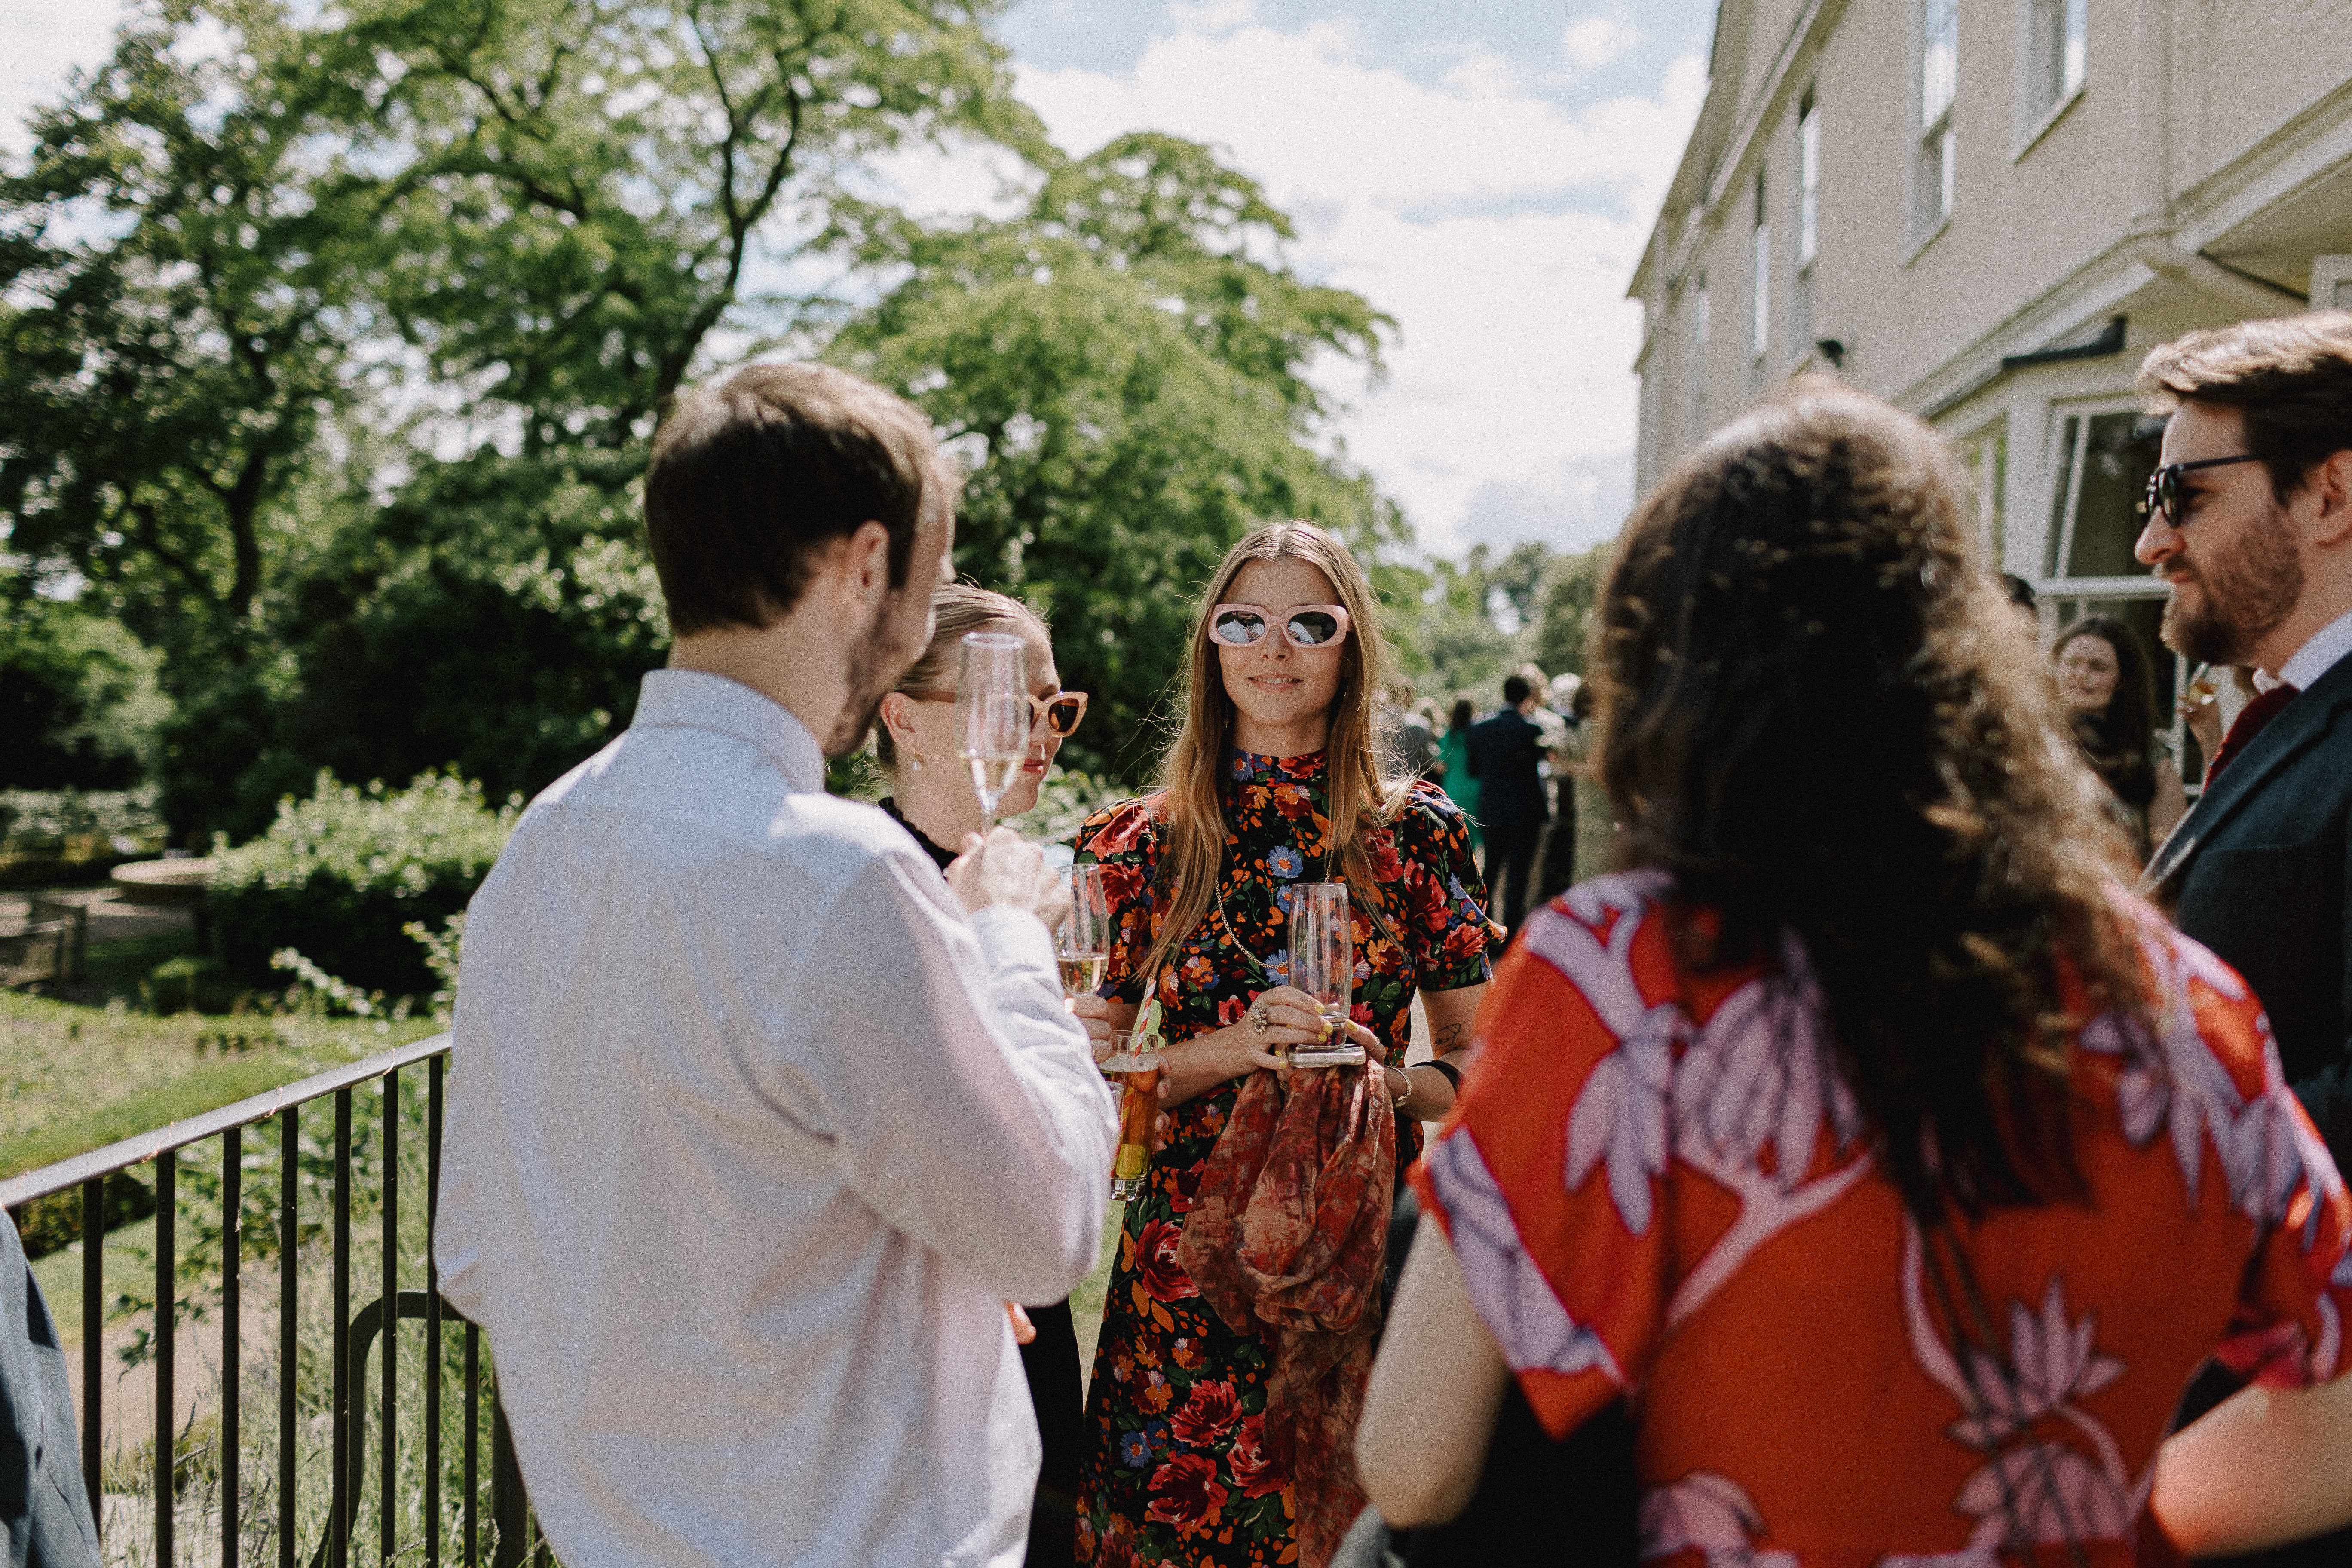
[(1461, 783), (1272, 780)]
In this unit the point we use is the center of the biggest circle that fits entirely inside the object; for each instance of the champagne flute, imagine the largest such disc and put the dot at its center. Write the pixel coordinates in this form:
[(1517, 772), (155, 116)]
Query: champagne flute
[(1082, 945), (1323, 964), (1138, 1075), (992, 716)]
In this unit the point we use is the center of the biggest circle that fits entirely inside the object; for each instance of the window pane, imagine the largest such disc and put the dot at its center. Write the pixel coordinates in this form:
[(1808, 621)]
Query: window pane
[(1808, 179), (1938, 60), (2115, 465), (2070, 431), (1762, 305), (2076, 20)]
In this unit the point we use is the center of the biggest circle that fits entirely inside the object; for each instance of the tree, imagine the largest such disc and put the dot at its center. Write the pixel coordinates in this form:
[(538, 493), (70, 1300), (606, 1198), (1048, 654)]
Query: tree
[(332, 353), (1122, 367), (1571, 587), (178, 307)]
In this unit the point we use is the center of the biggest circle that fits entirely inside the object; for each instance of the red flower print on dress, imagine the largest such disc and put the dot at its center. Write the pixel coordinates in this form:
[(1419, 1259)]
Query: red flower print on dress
[(1206, 1415), (1293, 801), (1231, 1010), (1124, 826), (1164, 1279), (1122, 886), (1380, 849), (1185, 1493), (1253, 1466)]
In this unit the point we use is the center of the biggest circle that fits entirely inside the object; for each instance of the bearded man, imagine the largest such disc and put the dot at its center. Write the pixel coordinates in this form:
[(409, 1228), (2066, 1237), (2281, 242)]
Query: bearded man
[(757, 1122), (2249, 519)]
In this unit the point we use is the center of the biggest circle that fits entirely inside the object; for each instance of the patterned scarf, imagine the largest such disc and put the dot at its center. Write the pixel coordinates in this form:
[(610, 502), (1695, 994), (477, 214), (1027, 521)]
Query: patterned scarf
[(1286, 1238)]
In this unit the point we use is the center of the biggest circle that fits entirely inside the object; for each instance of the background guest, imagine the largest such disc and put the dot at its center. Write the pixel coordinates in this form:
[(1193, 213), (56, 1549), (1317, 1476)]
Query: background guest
[(1409, 742), (934, 801), (1460, 783), (1273, 782), (1505, 757), (1791, 1133), (2109, 695), (1556, 863)]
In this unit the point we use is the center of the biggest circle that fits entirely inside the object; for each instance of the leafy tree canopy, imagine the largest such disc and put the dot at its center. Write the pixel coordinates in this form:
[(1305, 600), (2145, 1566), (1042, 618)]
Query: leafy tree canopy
[(1123, 368)]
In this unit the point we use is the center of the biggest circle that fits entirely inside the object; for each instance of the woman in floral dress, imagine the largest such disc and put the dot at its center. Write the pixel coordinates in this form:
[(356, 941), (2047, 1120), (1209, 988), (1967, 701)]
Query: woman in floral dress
[(1274, 781), (1892, 1164)]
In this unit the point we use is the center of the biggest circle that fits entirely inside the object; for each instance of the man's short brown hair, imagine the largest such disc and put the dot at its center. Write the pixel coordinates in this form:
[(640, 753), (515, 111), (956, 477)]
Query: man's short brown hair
[(752, 478), (2290, 377)]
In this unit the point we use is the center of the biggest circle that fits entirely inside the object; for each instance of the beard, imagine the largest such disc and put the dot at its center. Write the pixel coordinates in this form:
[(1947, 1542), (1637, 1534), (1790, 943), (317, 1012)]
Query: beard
[(875, 666), (2246, 596)]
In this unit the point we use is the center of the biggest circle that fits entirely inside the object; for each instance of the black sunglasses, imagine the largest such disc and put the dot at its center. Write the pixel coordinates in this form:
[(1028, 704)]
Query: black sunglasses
[(2164, 485)]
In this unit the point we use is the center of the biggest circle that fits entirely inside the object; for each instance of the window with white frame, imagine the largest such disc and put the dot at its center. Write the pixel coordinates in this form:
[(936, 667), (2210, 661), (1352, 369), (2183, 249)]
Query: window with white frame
[(1808, 185), (2054, 56), (2101, 454), (1939, 84), (1760, 259)]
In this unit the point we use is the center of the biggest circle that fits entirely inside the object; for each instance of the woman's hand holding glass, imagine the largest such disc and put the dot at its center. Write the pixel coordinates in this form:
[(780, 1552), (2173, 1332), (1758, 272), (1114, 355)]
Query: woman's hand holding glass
[(1292, 1018)]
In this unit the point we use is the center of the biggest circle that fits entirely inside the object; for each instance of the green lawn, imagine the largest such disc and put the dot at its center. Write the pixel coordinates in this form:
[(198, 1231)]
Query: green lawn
[(75, 1077)]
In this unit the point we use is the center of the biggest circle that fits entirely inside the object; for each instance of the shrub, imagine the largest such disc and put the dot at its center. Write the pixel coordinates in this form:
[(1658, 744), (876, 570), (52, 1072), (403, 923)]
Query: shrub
[(339, 875)]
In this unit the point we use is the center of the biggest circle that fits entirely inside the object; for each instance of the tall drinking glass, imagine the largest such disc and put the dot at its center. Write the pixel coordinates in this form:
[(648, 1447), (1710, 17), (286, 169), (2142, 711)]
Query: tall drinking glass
[(1136, 1075), (993, 715), (1323, 964), (1082, 945)]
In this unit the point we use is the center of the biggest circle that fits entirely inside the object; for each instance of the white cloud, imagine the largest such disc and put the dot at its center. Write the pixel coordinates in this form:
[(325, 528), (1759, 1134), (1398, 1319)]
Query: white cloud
[(1598, 42), (1498, 227), (1211, 17)]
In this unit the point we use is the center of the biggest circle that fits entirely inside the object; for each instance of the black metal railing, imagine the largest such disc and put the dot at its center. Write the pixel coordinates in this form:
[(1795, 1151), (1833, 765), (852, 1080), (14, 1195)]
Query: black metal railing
[(374, 1328)]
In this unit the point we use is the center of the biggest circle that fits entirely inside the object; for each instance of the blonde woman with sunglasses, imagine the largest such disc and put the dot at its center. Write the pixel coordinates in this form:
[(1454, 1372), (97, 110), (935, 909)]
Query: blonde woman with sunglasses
[(1274, 781), (932, 797)]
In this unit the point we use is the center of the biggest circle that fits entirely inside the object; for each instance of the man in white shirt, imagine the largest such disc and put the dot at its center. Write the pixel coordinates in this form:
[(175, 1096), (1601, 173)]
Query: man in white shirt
[(754, 1128)]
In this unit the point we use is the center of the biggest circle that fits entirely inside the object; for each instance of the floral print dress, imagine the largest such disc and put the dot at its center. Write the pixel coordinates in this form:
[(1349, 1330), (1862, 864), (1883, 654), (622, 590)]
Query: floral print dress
[(1179, 1469), (1658, 1187)]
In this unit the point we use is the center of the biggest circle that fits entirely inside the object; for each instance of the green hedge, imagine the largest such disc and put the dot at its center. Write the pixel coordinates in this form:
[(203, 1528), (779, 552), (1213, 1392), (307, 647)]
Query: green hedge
[(339, 875)]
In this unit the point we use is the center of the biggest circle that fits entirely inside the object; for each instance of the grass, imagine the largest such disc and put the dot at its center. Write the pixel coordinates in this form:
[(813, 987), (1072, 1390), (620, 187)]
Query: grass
[(75, 1077), (130, 1253)]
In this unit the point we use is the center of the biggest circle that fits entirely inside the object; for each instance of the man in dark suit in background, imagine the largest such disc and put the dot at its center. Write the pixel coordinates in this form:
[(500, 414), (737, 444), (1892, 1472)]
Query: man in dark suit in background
[(1504, 753), (2249, 519)]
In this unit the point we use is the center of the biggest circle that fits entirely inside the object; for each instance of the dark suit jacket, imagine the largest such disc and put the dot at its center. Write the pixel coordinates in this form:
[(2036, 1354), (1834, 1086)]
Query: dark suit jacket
[(2259, 871), (1504, 752), (44, 1511)]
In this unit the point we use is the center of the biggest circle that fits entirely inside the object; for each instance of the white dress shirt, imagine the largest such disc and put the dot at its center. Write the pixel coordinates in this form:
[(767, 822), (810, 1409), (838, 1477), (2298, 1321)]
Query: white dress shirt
[(2318, 655), (751, 1133)]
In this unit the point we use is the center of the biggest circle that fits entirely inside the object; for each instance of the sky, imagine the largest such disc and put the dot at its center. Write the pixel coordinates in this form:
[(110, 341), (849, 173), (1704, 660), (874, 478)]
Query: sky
[(1484, 171)]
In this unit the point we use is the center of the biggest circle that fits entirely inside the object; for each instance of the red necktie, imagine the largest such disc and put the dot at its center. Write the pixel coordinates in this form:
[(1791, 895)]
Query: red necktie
[(2250, 722)]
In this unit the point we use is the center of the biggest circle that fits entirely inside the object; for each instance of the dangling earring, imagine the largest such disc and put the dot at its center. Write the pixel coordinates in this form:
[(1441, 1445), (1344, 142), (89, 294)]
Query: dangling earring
[(919, 763)]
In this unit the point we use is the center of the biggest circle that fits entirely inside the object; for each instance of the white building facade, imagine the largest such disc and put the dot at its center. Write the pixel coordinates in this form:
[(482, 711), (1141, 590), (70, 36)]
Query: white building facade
[(1986, 212)]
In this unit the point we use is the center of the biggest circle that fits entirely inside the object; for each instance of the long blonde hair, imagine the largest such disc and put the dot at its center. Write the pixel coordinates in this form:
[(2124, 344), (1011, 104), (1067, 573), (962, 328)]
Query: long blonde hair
[(1187, 807)]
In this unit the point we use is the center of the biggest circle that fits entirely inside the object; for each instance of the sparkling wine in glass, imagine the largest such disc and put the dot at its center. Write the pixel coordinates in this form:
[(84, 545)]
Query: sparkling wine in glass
[(1082, 945), (993, 715), (1136, 1075), (1323, 964)]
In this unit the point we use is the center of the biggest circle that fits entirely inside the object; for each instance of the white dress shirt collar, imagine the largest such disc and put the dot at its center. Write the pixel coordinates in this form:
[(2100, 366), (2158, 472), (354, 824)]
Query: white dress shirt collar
[(2315, 658), (701, 701)]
